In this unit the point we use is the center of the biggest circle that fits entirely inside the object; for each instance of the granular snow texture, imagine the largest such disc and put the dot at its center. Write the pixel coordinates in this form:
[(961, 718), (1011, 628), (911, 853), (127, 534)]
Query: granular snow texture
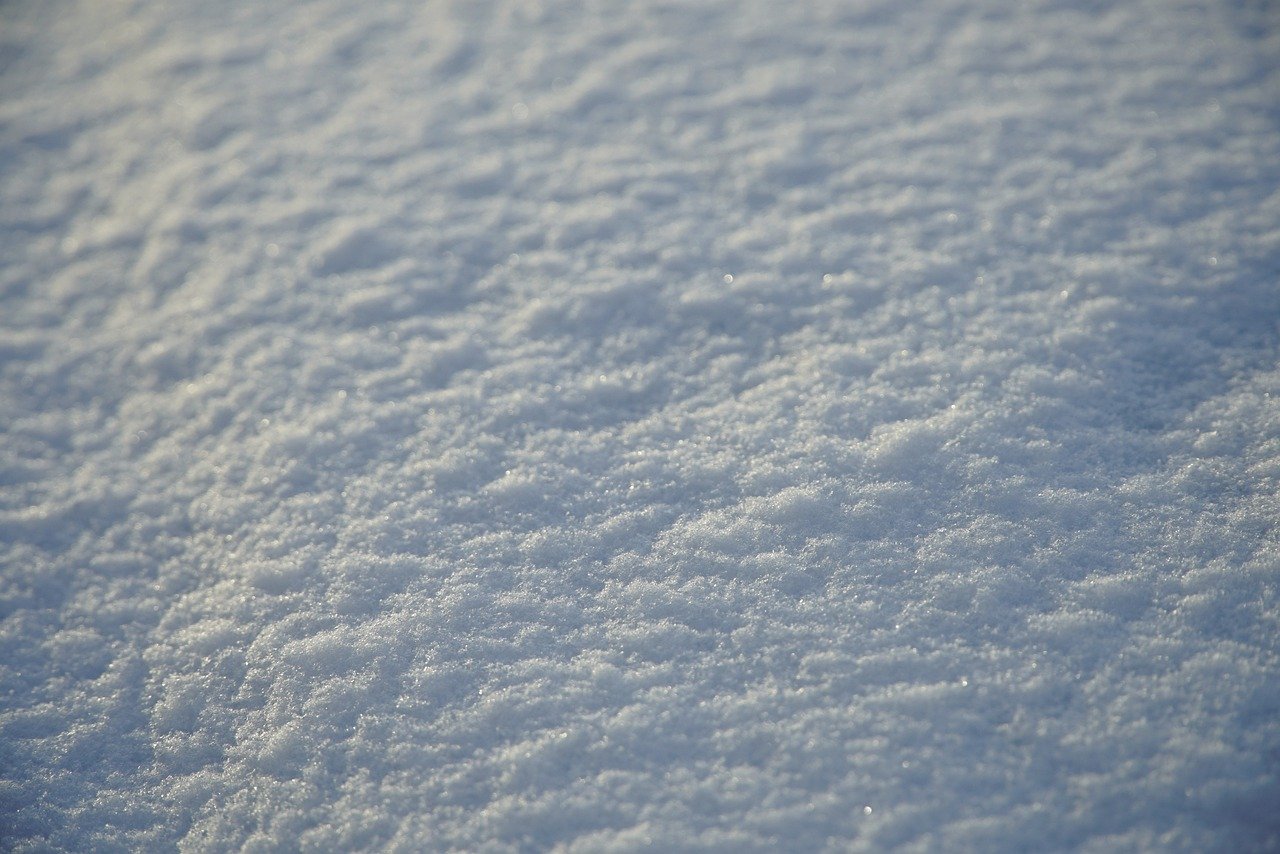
[(517, 426)]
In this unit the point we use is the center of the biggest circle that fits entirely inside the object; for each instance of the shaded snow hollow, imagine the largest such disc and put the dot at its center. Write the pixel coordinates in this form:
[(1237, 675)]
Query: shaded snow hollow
[(639, 425)]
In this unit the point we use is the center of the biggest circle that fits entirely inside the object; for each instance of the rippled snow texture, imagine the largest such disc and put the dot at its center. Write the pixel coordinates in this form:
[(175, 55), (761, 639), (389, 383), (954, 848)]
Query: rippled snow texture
[(640, 425)]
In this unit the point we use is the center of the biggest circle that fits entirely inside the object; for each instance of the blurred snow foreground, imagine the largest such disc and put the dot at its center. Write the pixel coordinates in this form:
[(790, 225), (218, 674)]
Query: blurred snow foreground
[(638, 425)]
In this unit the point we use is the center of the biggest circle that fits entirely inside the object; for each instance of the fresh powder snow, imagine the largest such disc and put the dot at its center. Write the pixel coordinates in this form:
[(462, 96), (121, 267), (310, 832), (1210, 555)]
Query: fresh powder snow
[(640, 425)]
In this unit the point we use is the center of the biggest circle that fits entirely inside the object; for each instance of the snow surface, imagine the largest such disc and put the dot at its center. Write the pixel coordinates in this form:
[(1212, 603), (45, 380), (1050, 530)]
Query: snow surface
[(637, 424)]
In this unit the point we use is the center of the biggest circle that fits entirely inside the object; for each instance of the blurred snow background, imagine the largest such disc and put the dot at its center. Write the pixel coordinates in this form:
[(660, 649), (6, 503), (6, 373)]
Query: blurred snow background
[(623, 425)]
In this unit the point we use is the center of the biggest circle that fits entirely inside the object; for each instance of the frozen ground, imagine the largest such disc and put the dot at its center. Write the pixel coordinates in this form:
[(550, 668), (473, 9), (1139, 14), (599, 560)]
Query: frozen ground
[(623, 425)]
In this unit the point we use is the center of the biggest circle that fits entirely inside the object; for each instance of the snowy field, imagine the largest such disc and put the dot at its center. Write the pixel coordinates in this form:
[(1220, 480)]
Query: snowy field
[(640, 425)]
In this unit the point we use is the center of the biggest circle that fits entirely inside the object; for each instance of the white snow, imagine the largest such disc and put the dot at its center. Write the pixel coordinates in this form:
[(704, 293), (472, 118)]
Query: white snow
[(640, 425)]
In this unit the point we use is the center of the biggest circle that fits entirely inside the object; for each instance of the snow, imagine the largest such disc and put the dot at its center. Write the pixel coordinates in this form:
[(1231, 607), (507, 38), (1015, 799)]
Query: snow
[(640, 425)]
